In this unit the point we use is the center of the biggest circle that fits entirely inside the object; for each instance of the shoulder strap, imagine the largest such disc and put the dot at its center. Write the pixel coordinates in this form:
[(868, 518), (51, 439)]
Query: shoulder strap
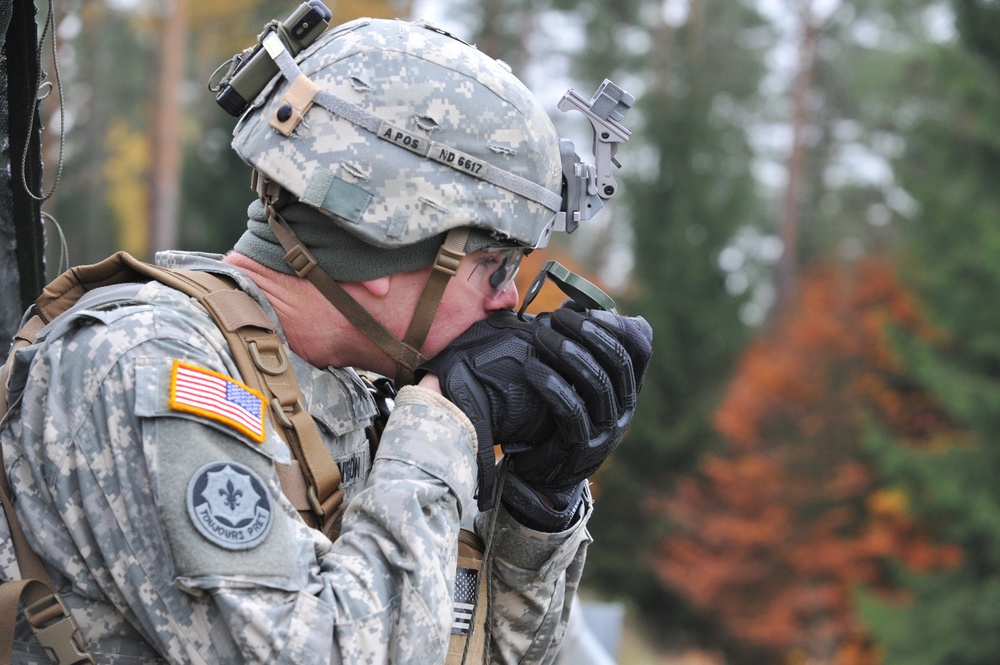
[(261, 360), (51, 621), (263, 364), (259, 356)]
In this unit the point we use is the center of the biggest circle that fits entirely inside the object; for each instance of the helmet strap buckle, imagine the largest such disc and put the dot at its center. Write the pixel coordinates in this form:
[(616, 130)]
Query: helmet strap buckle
[(449, 256), (270, 192), (301, 260)]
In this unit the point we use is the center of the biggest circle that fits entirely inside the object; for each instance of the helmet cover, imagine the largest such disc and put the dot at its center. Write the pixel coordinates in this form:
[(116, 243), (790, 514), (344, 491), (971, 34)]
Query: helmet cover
[(433, 87)]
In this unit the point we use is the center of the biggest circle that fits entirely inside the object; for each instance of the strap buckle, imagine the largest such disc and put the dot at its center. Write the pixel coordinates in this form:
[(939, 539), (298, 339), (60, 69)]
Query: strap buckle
[(283, 416), (448, 260), (300, 260), (315, 503), (268, 190), (258, 359), (61, 638)]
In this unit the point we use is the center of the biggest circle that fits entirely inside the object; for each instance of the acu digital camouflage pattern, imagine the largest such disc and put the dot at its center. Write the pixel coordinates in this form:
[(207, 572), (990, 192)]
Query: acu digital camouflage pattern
[(433, 87), (99, 467)]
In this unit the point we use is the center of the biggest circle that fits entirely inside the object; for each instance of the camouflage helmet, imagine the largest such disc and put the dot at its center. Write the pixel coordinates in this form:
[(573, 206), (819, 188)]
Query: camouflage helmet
[(421, 133)]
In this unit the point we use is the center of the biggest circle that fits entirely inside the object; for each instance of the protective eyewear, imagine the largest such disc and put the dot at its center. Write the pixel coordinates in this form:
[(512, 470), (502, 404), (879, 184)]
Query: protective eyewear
[(495, 270)]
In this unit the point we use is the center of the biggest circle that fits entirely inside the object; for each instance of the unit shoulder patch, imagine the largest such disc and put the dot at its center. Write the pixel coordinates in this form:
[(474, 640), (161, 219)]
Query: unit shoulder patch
[(229, 505), (217, 397)]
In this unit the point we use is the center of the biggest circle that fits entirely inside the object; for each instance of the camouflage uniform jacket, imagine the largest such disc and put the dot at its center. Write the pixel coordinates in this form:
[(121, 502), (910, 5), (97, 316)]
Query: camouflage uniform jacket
[(125, 494)]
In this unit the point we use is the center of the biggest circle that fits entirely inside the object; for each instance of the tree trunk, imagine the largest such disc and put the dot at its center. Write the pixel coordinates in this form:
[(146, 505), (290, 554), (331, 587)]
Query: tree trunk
[(166, 169), (788, 224)]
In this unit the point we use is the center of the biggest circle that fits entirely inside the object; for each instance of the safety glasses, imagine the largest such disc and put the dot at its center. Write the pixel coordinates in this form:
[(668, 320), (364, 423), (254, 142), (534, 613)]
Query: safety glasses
[(495, 269)]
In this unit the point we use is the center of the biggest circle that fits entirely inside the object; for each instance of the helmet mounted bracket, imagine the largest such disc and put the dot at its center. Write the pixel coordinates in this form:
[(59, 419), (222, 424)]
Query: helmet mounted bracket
[(587, 186)]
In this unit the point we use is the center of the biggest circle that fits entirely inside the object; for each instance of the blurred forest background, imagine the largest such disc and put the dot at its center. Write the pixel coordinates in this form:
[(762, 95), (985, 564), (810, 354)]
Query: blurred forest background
[(810, 221)]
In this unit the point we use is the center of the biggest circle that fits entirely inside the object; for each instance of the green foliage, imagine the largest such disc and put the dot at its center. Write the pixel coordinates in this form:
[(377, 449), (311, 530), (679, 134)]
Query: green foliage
[(216, 185), (953, 620), (954, 243), (950, 488), (951, 260), (979, 23)]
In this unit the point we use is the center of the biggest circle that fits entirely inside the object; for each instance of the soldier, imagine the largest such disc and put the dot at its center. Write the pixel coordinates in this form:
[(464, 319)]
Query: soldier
[(401, 175)]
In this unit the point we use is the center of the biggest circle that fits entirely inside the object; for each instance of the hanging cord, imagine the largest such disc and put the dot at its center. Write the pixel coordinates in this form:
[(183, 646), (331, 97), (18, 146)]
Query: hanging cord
[(486, 570), (63, 247), (50, 23)]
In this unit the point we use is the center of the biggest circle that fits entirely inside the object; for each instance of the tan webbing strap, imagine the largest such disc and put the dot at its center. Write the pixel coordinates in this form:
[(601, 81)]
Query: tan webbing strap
[(60, 638), (262, 363), (256, 350), (446, 263), (301, 260), (62, 293), (294, 486)]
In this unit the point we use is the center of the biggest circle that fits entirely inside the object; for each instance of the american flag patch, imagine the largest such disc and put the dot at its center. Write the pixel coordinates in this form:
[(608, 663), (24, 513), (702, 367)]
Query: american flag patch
[(217, 397), (465, 600)]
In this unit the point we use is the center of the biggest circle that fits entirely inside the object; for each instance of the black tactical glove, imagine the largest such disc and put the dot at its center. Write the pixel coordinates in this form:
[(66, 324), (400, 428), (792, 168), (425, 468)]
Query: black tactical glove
[(556, 512), (588, 372), (482, 372)]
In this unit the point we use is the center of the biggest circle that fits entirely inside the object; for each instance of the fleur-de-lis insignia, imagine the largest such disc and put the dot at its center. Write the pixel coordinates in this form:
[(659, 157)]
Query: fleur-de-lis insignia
[(231, 495)]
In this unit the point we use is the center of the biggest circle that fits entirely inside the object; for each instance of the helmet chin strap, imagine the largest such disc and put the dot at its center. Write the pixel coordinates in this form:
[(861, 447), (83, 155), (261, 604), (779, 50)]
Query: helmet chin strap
[(406, 353), (446, 264)]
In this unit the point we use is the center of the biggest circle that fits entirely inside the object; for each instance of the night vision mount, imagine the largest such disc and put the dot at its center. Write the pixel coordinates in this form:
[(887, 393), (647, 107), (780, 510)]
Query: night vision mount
[(587, 186)]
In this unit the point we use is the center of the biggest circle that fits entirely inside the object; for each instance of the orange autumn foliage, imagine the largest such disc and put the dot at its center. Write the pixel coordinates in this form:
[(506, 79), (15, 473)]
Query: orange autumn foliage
[(777, 528)]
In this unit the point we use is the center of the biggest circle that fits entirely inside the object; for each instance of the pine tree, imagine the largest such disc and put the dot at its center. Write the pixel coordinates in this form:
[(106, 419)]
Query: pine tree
[(951, 258), (779, 527), (683, 208)]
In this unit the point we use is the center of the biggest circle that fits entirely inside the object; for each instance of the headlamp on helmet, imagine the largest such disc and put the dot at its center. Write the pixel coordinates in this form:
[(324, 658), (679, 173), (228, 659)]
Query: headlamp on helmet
[(248, 72)]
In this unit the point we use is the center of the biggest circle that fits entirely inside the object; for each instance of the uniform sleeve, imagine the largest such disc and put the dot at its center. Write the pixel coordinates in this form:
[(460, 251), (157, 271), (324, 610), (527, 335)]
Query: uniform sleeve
[(402, 531), (175, 517), (534, 578), (382, 592)]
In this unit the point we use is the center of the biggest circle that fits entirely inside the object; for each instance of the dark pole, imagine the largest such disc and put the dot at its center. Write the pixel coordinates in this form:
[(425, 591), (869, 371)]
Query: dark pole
[(21, 232)]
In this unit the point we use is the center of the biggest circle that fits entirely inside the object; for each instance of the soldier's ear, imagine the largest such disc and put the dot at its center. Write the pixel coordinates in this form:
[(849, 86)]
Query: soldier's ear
[(378, 287)]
